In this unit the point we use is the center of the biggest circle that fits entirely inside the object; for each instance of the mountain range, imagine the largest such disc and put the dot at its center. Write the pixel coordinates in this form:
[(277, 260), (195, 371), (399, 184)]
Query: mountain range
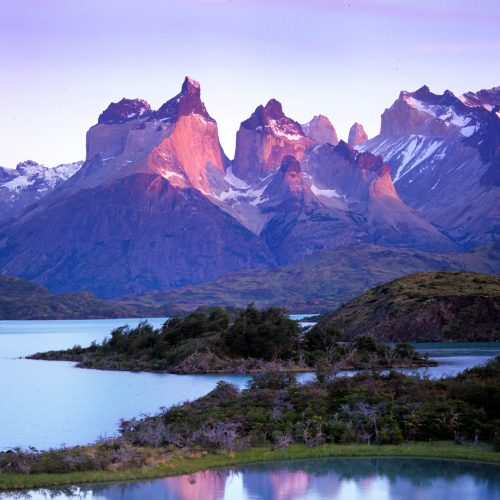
[(158, 205)]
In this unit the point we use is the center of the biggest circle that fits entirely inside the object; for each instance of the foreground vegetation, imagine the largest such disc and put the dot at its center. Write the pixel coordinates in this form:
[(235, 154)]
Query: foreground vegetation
[(190, 462), (218, 340), (434, 306), (369, 414)]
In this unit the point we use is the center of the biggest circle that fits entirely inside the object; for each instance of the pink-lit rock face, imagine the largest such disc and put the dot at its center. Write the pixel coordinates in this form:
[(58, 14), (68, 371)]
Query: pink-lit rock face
[(180, 141), (186, 103), (265, 139), (488, 98), (357, 135), (187, 154), (321, 130), (293, 176)]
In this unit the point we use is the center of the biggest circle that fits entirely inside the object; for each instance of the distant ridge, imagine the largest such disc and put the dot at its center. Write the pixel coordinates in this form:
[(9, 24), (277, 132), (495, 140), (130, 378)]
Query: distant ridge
[(23, 300)]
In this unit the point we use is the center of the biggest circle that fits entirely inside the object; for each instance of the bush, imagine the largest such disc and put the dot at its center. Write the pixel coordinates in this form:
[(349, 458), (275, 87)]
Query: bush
[(269, 334)]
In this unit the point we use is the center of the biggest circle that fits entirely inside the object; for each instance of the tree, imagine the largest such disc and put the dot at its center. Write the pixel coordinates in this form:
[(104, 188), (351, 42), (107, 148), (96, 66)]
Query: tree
[(268, 334)]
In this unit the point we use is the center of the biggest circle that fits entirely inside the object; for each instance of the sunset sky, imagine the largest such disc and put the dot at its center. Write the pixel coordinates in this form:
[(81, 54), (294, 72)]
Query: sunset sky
[(63, 61)]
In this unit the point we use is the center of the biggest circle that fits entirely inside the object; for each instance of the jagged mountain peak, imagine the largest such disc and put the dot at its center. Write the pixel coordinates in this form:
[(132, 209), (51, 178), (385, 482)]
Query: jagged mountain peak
[(187, 102), (347, 152), (357, 135), (426, 96), (30, 182), (124, 110), (264, 139), (271, 119), (321, 130), (190, 85), (486, 98), (29, 167), (424, 113)]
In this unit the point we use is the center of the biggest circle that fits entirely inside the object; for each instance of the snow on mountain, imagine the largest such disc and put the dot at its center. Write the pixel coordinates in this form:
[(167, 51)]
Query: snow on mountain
[(443, 152), (157, 204), (29, 182)]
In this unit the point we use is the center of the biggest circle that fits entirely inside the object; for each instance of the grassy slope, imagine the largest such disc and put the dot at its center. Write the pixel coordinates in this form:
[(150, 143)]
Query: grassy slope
[(185, 465), (426, 306), (22, 299), (322, 282)]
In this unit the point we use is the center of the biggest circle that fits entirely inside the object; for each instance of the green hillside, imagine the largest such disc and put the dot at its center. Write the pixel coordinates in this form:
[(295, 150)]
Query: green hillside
[(22, 299), (435, 306), (324, 281)]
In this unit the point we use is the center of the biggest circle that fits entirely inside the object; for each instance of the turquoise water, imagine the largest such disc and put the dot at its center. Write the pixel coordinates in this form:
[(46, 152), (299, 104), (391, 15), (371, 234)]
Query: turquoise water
[(50, 403), (339, 479)]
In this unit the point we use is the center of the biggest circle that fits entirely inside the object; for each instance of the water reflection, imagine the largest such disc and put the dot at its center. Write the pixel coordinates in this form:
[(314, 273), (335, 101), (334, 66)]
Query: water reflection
[(342, 479)]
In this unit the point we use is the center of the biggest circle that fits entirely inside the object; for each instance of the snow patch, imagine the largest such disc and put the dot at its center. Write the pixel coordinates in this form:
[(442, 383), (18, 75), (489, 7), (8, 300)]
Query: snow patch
[(234, 181), (169, 175), (284, 130), (446, 114), (328, 193), (468, 131), (19, 183)]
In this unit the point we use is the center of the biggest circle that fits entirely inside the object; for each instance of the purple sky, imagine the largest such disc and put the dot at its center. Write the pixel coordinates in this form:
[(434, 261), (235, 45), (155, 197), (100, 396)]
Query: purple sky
[(63, 61)]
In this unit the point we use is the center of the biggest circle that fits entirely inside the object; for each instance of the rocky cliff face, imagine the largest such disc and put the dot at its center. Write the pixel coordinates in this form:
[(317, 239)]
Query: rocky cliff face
[(264, 140), (443, 152), (357, 135), (28, 183), (179, 141)]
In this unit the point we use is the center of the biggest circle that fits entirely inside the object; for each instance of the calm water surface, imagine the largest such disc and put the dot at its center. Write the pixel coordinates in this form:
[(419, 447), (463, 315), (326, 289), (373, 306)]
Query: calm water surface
[(341, 479), (50, 403)]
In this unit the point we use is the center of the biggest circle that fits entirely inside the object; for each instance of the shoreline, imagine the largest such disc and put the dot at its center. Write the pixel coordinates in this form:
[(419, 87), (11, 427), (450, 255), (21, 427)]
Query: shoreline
[(483, 453), (421, 363)]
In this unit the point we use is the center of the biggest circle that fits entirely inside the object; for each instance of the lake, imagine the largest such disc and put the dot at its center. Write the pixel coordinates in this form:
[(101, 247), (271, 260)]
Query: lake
[(51, 403), (333, 478)]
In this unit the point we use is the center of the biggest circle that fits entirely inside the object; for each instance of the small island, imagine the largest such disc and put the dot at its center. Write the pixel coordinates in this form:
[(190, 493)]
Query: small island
[(219, 340)]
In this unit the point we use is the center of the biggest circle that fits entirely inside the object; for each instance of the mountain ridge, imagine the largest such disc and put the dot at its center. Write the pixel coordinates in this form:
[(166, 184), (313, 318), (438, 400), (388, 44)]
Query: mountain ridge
[(157, 204)]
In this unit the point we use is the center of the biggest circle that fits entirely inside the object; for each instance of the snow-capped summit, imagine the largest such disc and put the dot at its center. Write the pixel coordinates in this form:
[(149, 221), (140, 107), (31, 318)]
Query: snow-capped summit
[(187, 102), (124, 110), (423, 112), (270, 119), (487, 99), (264, 139), (29, 182), (444, 159)]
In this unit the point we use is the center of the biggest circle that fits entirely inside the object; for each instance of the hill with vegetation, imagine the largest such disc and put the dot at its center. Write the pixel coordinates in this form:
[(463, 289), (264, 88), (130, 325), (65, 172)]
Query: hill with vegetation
[(322, 282), (435, 306), (22, 299), (220, 341)]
